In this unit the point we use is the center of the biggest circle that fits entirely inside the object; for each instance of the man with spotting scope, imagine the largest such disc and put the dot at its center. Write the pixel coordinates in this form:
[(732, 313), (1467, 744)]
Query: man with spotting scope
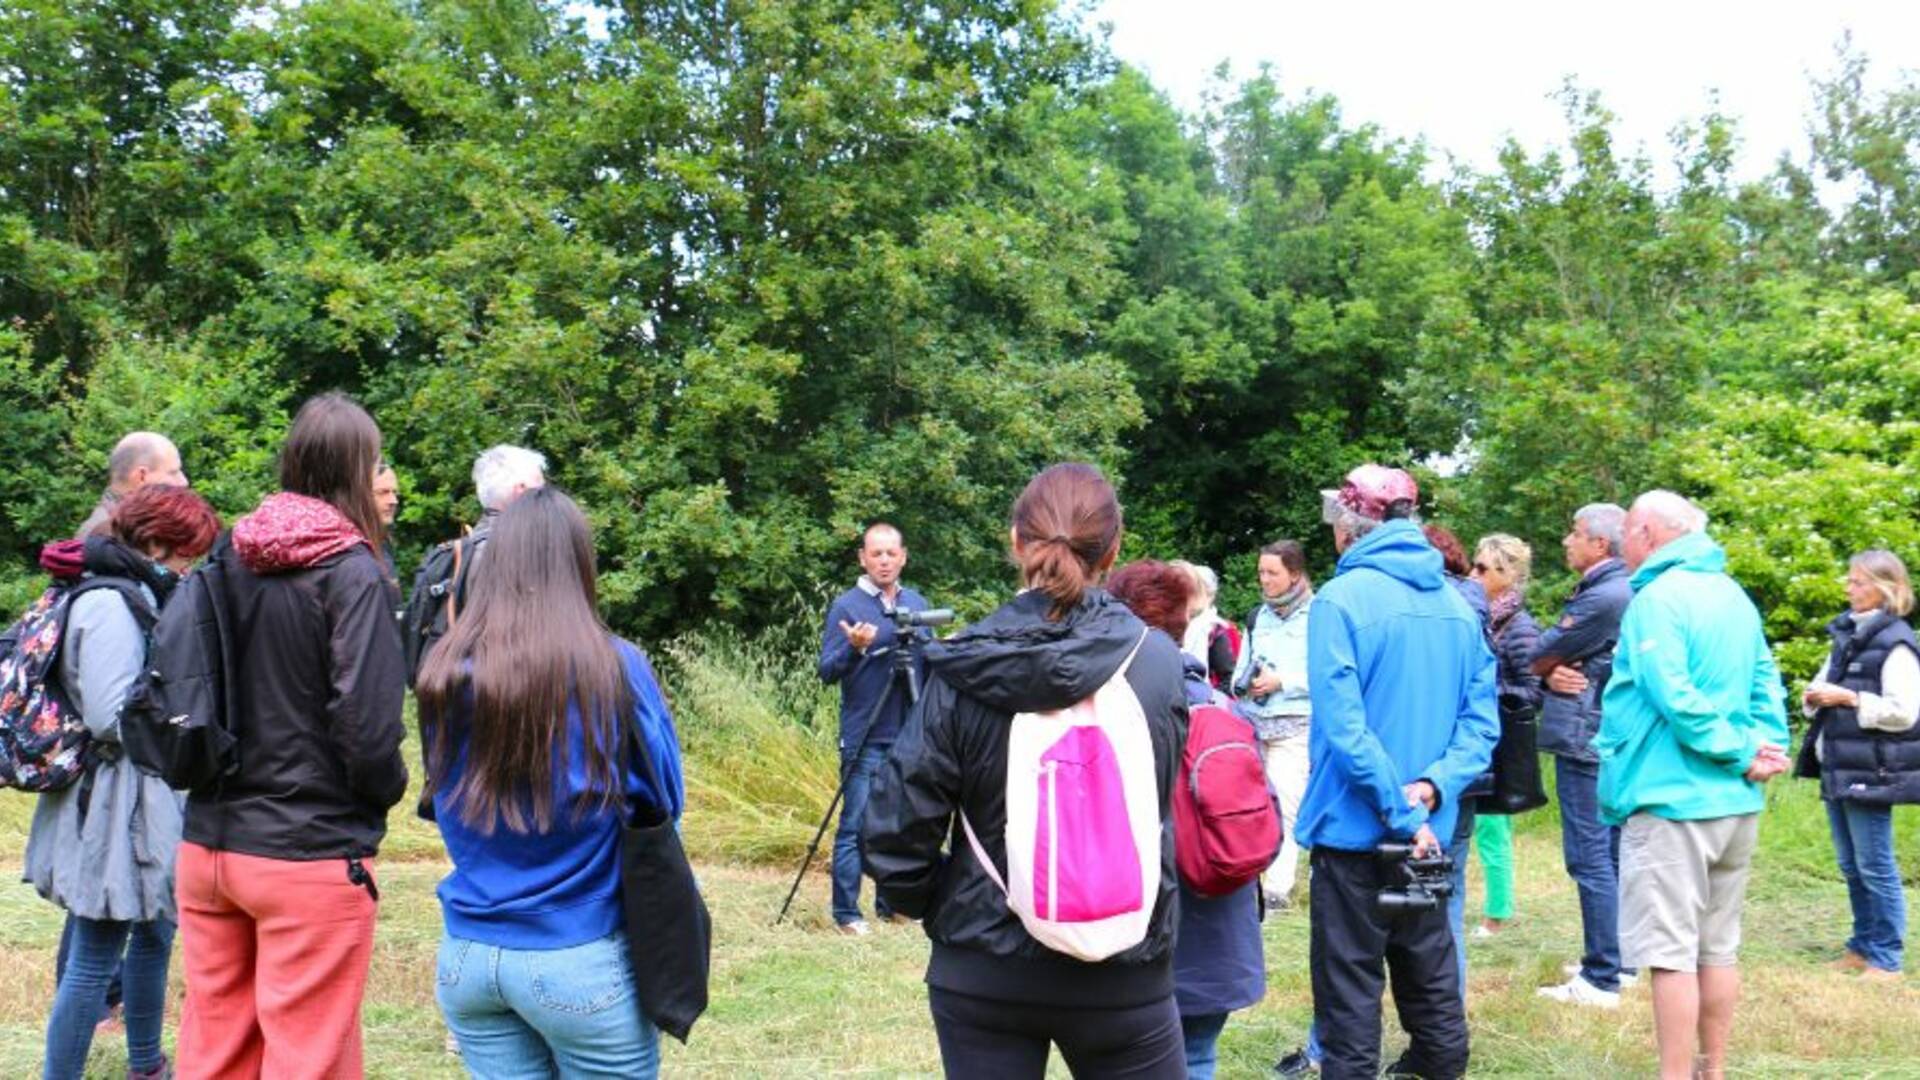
[(855, 651)]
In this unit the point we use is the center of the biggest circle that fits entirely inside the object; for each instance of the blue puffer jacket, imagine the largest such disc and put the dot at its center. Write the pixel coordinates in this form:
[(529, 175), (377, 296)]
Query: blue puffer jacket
[(1403, 690), (1583, 639)]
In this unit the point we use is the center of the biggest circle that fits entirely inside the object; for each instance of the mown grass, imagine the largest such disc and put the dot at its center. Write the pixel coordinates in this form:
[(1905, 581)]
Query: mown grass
[(800, 1001)]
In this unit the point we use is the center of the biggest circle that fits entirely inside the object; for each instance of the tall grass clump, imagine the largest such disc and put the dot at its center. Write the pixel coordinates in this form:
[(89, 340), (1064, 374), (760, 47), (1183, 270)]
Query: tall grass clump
[(760, 736)]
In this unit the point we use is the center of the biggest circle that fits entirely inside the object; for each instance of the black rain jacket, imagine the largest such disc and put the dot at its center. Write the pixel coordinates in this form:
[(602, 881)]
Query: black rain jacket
[(952, 756), (315, 690)]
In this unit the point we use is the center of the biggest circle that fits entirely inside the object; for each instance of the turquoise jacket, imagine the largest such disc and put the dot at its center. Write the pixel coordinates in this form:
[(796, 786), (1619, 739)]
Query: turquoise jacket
[(1403, 690), (1693, 695)]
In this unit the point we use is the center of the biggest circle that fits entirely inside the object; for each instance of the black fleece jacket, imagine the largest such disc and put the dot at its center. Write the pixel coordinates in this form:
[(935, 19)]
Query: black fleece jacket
[(953, 756)]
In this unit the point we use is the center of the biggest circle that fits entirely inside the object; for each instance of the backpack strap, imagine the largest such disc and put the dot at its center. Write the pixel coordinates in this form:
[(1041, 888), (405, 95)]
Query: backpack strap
[(143, 614), (1128, 665), (980, 855), (453, 582)]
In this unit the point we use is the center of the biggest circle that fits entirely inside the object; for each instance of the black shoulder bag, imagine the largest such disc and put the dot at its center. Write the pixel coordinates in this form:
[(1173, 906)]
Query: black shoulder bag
[(669, 933)]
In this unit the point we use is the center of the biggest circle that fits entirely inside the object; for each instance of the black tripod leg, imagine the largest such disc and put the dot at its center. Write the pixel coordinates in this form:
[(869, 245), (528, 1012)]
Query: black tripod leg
[(846, 769)]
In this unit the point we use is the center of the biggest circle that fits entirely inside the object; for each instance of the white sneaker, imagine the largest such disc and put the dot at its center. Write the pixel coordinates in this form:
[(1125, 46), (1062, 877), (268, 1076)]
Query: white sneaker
[(1627, 978), (1578, 991), (856, 928)]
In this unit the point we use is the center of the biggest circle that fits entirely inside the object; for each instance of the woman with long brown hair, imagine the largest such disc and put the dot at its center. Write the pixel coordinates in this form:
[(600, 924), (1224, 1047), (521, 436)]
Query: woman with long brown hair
[(275, 876), (1062, 651), (528, 709)]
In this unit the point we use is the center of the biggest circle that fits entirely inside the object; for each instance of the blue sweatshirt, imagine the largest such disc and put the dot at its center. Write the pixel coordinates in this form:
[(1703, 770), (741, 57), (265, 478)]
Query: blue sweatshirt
[(1403, 689), (560, 888), (863, 677)]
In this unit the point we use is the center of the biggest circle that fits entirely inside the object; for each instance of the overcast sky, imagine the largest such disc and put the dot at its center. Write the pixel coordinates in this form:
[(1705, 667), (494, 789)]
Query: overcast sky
[(1468, 74)]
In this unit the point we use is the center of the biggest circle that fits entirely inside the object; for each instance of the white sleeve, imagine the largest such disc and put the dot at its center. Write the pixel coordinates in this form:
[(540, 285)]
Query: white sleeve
[(1807, 710), (1897, 705)]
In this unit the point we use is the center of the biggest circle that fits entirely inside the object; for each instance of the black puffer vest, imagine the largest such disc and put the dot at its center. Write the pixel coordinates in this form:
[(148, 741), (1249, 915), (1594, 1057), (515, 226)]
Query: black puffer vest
[(1872, 767)]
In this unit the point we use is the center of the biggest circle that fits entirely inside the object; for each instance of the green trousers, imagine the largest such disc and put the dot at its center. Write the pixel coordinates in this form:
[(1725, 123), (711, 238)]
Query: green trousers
[(1493, 835)]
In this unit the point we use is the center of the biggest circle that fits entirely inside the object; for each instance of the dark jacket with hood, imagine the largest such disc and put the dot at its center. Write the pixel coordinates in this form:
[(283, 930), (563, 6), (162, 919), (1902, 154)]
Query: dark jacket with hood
[(952, 756), (315, 690)]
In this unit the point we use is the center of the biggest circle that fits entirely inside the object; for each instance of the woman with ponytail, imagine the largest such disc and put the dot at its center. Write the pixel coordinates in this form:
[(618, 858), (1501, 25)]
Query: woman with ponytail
[(1001, 998)]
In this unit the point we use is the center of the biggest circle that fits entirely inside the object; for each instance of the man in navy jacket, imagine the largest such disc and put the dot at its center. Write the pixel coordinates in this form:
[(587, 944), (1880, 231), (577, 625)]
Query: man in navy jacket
[(856, 651)]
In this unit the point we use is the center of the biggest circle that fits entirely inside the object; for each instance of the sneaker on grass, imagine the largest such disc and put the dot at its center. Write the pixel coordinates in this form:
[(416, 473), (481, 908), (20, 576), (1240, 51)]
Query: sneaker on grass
[(1627, 978), (1578, 991), (856, 928)]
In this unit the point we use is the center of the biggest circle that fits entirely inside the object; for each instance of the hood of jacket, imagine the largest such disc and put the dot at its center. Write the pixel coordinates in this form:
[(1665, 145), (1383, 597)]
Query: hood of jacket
[(103, 556), (1399, 550), (293, 532), (1017, 660), (1693, 551)]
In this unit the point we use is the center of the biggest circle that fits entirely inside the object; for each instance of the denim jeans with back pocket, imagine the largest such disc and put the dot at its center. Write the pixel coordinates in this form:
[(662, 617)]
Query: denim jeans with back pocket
[(546, 1012)]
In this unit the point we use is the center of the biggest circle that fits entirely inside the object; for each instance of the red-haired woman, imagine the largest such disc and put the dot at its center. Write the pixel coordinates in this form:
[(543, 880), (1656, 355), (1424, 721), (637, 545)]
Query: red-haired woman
[(102, 847), (1218, 962), (1000, 997)]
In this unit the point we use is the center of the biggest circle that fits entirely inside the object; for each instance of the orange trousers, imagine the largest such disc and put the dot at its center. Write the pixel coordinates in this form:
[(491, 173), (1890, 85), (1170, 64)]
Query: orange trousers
[(275, 954)]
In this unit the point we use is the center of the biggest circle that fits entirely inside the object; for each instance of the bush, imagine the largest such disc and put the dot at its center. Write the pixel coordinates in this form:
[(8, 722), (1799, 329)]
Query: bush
[(760, 736)]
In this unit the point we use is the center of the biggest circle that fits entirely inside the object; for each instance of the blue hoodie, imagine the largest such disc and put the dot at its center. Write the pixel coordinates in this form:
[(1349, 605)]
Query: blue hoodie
[(1403, 689), (560, 888)]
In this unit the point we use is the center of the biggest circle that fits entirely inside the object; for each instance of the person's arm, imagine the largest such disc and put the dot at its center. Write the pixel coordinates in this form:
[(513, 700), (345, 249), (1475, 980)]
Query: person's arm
[(1475, 731), (1661, 673), (837, 654), (368, 683), (1897, 706), (1243, 667), (101, 654), (653, 722), (911, 805), (1807, 709), (1586, 627), (1768, 700), (1519, 686), (1340, 715), (1220, 658)]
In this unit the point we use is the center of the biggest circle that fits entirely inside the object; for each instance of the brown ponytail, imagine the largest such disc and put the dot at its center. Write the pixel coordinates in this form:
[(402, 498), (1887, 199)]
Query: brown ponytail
[(1066, 528)]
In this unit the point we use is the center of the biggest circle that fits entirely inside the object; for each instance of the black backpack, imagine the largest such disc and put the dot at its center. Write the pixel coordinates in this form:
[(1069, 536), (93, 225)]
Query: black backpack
[(177, 720), (439, 589), (44, 743)]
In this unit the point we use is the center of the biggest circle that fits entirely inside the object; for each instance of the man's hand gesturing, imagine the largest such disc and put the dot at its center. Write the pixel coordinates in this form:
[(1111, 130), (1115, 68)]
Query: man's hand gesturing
[(859, 635)]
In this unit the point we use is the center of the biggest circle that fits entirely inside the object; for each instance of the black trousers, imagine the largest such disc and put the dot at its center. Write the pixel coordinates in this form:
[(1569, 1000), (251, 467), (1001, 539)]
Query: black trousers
[(1354, 948), (980, 1037)]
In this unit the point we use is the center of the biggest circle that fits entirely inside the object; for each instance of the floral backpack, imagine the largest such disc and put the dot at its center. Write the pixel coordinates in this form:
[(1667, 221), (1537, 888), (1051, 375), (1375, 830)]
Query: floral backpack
[(44, 743)]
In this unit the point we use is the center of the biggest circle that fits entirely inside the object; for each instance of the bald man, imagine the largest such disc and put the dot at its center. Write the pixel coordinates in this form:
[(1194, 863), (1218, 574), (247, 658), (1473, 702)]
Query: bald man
[(138, 459)]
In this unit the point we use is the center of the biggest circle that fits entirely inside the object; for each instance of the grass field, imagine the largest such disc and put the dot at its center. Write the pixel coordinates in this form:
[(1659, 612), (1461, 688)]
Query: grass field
[(801, 1001)]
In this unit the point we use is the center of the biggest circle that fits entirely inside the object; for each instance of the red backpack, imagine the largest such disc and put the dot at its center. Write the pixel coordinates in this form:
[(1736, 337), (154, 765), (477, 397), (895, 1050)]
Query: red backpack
[(1226, 822)]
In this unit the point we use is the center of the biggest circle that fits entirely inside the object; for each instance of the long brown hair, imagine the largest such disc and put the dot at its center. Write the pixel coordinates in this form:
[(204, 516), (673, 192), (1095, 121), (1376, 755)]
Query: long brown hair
[(529, 643), (1067, 527), (331, 454)]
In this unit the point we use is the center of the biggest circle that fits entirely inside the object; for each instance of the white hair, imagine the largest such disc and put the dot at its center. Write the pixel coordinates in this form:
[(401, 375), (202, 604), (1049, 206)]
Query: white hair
[(1671, 510), (1604, 521), (501, 469), (1209, 581)]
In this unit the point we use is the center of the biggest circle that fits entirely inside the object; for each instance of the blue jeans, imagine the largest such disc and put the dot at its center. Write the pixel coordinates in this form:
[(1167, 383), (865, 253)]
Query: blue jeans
[(1202, 1034), (1592, 852), (1863, 844), (1458, 846), (859, 773), (80, 1001), (546, 1012)]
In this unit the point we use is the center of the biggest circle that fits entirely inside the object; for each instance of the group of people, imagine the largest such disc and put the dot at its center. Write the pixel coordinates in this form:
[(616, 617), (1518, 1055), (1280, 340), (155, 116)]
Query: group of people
[(531, 711), (1378, 703)]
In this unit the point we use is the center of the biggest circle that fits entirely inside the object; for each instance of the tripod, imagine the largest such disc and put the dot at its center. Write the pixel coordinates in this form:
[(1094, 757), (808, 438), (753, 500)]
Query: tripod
[(903, 673)]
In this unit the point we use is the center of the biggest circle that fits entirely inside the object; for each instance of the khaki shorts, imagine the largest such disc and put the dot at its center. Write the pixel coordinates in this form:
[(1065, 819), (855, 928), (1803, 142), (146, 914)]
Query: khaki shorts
[(1681, 887)]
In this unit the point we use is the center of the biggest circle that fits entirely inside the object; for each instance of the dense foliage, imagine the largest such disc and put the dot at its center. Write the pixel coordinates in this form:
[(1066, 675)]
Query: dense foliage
[(753, 272)]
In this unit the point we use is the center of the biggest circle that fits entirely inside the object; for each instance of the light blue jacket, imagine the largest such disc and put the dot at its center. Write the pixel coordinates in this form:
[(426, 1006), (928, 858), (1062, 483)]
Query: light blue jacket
[(1280, 646), (1403, 688), (1693, 695)]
